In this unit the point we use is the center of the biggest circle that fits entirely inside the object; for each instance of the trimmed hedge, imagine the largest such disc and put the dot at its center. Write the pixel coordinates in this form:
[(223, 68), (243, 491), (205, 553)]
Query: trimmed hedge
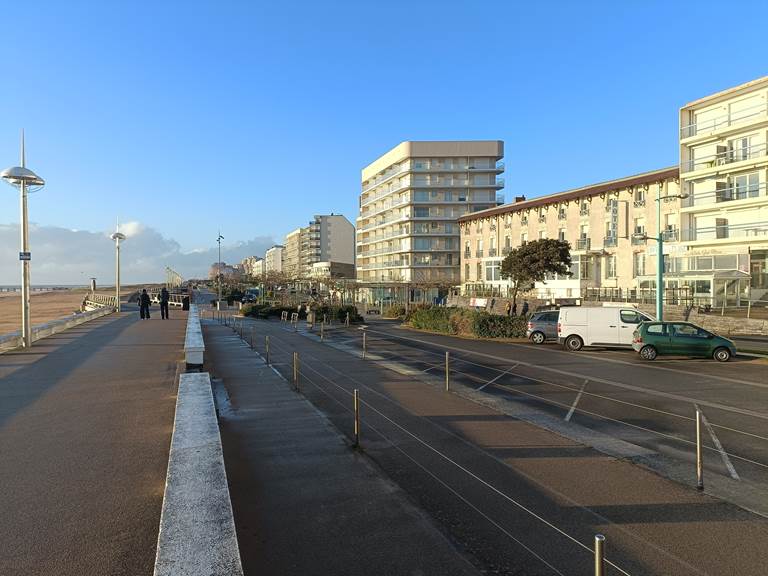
[(337, 313), (466, 322)]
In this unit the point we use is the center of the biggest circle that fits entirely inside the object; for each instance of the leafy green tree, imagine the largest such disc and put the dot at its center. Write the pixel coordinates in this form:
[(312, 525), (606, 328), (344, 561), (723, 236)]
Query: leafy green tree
[(532, 261)]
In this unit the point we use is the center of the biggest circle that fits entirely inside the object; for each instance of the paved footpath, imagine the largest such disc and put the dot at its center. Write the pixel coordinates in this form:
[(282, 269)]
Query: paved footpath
[(85, 426), (517, 498), (305, 502)]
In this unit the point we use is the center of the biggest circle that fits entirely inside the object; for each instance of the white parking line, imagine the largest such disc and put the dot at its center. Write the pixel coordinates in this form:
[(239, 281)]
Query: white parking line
[(573, 406), (497, 377), (723, 454)]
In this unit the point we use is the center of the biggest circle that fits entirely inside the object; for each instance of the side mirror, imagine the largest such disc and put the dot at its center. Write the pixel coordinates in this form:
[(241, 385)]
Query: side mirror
[(710, 336)]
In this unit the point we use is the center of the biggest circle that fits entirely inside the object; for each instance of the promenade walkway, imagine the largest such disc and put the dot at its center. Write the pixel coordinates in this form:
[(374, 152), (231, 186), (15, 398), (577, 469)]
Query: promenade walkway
[(304, 502), (85, 425)]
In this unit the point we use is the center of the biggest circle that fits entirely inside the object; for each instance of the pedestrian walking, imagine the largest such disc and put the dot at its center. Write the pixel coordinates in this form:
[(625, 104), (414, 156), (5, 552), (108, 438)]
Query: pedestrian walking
[(164, 297), (514, 309), (508, 308), (525, 308), (144, 303)]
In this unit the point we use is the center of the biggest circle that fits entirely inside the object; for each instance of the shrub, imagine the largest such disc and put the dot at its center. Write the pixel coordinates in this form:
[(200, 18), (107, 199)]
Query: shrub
[(463, 321), (434, 319), (485, 325), (393, 312)]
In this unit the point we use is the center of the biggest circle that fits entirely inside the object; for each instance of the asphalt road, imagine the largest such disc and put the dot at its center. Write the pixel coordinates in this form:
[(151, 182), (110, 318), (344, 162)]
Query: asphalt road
[(519, 499), (85, 427)]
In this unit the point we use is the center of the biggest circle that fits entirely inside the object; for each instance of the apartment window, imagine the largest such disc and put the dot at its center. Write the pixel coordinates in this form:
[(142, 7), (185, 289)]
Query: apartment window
[(640, 197), (449, 228), (507, 241), (523, 238), (561, 234), (421, 196), (422, 244), (584, 209), (480, 244), (542, 234), (746, 186), (462, 196), (479, 271), (493, 243), (610, 266), (449, 259), (721, 228), (584, 231), (421, 212), (640, 226), (741, 148), (448, 195), (638, 264), (493, 270)]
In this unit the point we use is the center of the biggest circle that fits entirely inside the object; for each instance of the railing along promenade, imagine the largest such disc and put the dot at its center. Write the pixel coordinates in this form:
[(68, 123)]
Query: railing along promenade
[(13, 340)]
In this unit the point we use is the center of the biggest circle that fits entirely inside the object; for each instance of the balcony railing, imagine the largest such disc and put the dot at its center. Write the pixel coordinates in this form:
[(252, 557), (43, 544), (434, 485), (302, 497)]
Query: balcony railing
[(638, 203), (748, 230), (747, 114), (379, 265), (506, 250), (478, 253), (467, 253), (638, 240), (524, 220), (562, 215), (723, 158), (542, 219), (670, 235), (610, 241), (582, 244), (725, 195), (491, 251), (584, 212)]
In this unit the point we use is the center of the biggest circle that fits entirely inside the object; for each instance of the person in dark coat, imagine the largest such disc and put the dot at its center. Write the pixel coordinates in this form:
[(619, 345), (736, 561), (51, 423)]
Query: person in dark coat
[(164, 297), (525, 308), (144, 304), (514, 309)]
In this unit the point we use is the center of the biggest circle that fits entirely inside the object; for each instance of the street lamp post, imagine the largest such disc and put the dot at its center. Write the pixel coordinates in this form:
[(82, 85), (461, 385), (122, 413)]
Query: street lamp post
[(117, 236), (660, 254), (26, 181), (218, 268)]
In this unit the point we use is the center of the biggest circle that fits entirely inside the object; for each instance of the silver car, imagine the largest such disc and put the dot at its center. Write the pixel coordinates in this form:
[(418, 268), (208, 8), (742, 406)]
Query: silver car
[(542, 326)]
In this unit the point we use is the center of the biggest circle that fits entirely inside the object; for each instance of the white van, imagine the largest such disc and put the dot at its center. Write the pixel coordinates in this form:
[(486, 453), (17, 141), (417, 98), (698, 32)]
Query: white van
[(579, 326)]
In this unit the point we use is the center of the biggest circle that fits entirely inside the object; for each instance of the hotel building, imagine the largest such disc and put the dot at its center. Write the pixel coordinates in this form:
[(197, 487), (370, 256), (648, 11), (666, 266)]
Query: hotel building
[(602, 222), (411, 199)]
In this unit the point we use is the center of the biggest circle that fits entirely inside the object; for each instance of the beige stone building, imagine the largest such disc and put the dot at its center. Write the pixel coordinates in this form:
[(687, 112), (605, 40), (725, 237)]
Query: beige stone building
[(292, 262), (602, 222), (724, 170), (327, 238), (410, 202)]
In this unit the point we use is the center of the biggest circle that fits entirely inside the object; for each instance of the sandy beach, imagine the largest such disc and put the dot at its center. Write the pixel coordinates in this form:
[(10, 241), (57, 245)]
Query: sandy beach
[(44, 307)]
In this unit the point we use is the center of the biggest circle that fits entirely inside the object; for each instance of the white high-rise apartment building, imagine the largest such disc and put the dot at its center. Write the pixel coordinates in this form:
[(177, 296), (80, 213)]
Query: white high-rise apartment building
[(411, 199), (724, 170), (327, 238), (273, 259)]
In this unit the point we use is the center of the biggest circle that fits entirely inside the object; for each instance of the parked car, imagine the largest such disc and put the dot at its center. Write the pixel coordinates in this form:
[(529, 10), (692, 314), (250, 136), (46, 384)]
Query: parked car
[(611, 326), (680, 338), (542, 326)]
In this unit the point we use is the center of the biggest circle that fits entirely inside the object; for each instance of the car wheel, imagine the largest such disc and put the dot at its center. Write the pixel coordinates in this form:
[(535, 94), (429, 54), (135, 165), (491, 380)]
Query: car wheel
[(722, 355), (538, 338), (648, 353), (574, 343)]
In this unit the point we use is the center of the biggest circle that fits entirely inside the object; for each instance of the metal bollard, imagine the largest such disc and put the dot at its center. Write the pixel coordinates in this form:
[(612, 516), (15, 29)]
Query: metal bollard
[(447, 371), (699, 456), (296, 370), (322, 330), (364, 346), (357, 418), (266, 345), (599, 555), (253, 331)]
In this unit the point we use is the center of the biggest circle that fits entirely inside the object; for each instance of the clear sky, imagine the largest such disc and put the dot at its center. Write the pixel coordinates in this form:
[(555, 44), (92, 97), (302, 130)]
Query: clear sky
[(252, 116)]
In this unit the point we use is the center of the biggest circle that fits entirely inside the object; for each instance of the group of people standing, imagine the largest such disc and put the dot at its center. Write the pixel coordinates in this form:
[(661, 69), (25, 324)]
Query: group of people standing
[(511, 309), (145, 301)]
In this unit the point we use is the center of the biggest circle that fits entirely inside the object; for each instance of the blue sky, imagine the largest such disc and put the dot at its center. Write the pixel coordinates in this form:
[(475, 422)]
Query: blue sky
[(253, 116)]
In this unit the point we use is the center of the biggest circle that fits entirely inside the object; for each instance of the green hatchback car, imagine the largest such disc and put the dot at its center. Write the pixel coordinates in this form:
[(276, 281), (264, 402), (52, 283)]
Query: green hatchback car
[(680, 338)]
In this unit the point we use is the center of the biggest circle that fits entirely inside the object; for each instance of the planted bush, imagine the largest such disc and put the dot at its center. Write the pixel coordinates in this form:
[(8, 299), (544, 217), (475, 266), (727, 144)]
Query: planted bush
[(465, 322)]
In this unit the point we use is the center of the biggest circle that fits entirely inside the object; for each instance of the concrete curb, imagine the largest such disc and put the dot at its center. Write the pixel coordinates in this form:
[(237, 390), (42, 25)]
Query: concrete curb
[(197, 527), (13, 340)]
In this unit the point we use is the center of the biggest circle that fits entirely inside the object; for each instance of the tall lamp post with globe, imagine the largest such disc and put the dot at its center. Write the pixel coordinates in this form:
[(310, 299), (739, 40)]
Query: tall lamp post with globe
[(117, 236), (26, 181)]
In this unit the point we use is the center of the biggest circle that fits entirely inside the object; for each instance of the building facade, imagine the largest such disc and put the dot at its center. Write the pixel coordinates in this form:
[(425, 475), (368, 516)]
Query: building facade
[(604, 224), (292, 264), (724, 170), (328, 237), (252, 266), (410, 202), (273, 259)]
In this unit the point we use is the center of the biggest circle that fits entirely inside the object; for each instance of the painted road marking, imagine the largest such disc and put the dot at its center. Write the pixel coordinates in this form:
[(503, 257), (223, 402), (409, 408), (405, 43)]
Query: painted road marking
[(497, 377), (573, 406), (719, 446)]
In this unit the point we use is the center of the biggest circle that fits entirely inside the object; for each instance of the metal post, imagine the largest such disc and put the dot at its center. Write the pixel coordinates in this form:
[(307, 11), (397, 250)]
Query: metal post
[(659, 260), (364, 345), (117, 273), (346, 320), (599, 555), (447, 370), (322, 330), (26, 325), (699, 456), (296, 370), (266, 345), (253, 330), (357, 418)]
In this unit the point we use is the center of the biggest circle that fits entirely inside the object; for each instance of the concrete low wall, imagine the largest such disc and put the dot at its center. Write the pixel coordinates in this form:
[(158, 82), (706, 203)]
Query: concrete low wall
[(723, 325), (194, 346), (13, 340), (197, 528)]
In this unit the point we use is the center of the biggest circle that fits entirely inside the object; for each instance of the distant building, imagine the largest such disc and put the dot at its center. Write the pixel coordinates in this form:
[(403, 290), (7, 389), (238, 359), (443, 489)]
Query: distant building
[(252, 266), (327, 238), (330, 270), (273, 259)]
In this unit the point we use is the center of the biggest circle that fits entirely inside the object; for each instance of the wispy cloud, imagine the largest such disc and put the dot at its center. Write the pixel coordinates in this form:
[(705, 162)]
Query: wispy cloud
[(64, 256)]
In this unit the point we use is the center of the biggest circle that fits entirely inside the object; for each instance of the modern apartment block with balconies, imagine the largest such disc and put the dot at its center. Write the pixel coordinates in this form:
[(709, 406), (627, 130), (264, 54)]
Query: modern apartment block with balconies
[(724, 170), (411, 200), (273, 259), (327, 237), (604, 224)]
